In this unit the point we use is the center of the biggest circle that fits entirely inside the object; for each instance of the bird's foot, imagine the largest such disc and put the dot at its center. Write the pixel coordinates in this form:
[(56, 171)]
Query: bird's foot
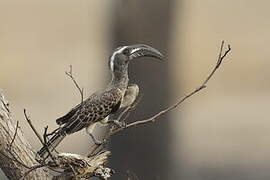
[(98, 143), (118, 123)]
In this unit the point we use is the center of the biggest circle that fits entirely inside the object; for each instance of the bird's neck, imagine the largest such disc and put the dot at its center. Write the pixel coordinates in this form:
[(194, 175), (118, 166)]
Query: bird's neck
[(120, 80)]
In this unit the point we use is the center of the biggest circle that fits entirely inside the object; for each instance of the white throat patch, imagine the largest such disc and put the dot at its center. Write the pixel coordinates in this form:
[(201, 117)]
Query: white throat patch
[(113, 56)]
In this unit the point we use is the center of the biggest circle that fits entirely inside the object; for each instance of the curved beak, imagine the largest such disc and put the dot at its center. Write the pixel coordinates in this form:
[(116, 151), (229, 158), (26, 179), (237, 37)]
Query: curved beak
[(142, 50)]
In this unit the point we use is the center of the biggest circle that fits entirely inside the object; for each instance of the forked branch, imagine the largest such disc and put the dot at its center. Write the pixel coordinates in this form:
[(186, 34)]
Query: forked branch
[(70, 74)]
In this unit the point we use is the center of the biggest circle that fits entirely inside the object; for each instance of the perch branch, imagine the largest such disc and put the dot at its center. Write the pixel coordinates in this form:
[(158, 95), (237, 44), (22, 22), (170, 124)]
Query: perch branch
[(125, 113), (201, 87)]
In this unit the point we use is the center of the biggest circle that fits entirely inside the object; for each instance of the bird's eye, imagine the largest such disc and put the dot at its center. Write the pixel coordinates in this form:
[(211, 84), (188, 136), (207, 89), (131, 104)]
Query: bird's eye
[(125, 52)]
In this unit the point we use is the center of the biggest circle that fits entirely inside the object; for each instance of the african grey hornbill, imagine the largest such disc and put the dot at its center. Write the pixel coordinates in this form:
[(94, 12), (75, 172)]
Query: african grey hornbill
[(99, 105)]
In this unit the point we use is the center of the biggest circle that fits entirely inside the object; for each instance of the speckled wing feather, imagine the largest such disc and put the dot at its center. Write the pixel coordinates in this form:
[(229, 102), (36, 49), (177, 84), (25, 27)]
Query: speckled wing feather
[(93, 109)]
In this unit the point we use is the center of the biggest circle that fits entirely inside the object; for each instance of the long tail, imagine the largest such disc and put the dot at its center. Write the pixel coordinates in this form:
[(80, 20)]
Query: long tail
[(51, 145)]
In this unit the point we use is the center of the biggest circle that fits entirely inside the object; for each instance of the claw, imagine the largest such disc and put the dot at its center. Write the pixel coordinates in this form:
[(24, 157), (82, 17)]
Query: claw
[(118, 123), (123, 124)]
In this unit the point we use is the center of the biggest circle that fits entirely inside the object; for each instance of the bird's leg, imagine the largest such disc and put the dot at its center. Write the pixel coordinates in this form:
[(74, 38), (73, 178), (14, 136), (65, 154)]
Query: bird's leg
[(96, 141), (124, 114), (129, 100), (130, 96), (53, 132), (89, 131)]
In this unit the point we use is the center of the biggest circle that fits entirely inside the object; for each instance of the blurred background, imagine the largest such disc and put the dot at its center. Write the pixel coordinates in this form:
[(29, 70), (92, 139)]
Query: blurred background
[(221, 133)]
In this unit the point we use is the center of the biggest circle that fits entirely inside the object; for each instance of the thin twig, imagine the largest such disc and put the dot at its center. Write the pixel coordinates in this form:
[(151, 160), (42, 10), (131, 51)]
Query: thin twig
[(16, 160), (125, 114), (201, 87), (5, 105), (46, 144), (32, 126), (10, 146), (127, 110), (219, 61), (15, 134), (29, 121), (70, 74)]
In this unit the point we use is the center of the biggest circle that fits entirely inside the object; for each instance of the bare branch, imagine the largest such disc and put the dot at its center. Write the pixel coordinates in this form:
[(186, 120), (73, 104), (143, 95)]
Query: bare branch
[(46, 144), (70, 74), (16, 155), (219, 61), (29, 121), (15, 134), (127, 110), (32, 126), (201, 87), (15, 160), (5, 105)]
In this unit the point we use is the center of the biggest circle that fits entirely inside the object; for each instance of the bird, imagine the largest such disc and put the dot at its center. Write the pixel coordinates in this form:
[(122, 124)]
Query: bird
[(129, 99), (118, 94)]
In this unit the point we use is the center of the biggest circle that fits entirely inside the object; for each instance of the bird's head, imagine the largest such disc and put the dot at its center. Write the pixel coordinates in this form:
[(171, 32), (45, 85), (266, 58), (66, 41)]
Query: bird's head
[(121, 57)]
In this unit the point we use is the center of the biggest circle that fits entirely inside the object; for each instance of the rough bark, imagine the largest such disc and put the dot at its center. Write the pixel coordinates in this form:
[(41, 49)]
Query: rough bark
[(16, 155), (18, 158)]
